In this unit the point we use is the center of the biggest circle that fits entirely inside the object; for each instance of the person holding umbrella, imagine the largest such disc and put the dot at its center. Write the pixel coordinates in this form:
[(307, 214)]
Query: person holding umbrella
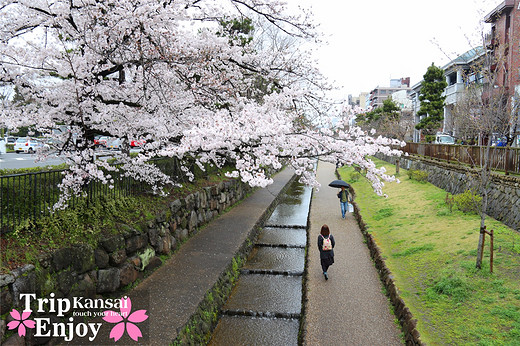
[(342, 195), (343, 201)]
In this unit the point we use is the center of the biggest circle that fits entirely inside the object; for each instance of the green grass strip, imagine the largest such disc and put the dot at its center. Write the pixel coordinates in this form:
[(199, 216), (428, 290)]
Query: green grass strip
[(432, 252)]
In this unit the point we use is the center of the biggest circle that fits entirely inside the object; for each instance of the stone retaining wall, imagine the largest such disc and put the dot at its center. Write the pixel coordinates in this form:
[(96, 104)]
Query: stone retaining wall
[(503, 191), (117, 261)]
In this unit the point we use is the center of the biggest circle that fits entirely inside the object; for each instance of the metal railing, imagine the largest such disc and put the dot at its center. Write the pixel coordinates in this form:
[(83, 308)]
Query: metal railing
[(30, 196), (501, 158)]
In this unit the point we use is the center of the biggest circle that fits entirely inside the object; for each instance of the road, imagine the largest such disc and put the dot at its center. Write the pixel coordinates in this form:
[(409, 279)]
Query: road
[(23, 160)]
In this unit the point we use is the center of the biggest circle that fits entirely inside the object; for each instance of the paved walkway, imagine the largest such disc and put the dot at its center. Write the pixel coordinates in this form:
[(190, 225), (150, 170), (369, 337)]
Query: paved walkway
[(350, 308), (173, 292)]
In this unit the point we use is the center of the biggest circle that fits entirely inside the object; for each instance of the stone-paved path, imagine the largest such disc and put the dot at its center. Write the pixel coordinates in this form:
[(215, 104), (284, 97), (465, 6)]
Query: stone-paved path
[(350, 308)]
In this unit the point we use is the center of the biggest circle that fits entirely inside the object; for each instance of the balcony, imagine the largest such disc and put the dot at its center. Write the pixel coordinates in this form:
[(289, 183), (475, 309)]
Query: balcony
[(452, 91)]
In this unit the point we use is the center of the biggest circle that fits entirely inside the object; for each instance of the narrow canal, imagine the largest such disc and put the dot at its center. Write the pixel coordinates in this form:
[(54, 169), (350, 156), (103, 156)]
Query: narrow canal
[(265, 306)]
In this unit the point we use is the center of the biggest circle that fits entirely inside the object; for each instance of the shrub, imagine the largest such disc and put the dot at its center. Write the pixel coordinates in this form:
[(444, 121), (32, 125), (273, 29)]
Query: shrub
[(453, 286), (383, 213), (467, 202), (430, 138), (354, 176), (418, 175)]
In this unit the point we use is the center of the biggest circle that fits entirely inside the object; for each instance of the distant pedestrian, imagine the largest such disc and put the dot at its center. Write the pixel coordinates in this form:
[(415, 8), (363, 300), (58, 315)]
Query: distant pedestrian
[(343, 200), (326, 244)]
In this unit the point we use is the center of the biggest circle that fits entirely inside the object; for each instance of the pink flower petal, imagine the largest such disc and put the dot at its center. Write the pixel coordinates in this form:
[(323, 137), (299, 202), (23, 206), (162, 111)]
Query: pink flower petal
[(21, 330), (13, 324), (26, 314), (117, 331), (29, 323), (138, 316), (133, 331), (126, 307), (112, 316), (15, 314)]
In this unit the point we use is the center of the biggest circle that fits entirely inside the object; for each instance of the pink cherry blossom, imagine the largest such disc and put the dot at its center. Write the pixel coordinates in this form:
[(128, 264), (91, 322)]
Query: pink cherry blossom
[(21, 322), (193, 90), (124, 315)]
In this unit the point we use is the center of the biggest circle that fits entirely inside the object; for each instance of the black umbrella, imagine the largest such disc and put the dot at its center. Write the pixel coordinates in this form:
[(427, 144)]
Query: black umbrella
[(339, 183)]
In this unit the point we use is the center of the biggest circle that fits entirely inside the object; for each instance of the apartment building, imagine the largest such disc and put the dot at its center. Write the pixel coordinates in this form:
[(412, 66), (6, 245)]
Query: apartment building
[(505, 33), (416, 105), (503, 42), (459, 73), (358, 101), (379, 94)]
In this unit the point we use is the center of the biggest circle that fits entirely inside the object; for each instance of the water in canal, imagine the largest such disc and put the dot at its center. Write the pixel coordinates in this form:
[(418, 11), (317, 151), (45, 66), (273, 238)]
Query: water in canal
[(266, 304)]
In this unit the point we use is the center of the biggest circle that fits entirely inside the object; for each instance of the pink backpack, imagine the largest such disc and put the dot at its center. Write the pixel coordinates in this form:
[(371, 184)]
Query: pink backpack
[(327, 244)]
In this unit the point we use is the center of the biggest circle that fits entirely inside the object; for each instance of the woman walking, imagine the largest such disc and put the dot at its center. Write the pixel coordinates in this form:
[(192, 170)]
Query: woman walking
[(326, 244)]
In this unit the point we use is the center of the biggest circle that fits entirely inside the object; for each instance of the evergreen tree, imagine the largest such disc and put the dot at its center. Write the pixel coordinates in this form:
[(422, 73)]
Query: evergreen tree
[(388, 111), (432, 101)]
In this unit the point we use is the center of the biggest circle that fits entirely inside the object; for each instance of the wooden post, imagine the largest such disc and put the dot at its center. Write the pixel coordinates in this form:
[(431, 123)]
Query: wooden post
[(483, 231), (506, 168), (491, 249), (491, 236)]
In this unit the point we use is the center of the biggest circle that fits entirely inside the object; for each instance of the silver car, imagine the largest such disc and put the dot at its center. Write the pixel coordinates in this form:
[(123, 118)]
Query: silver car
[(27, 145)]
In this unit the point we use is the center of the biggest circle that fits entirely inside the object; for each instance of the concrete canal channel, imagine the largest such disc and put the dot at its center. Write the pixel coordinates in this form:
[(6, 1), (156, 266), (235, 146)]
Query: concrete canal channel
[(265, 307)]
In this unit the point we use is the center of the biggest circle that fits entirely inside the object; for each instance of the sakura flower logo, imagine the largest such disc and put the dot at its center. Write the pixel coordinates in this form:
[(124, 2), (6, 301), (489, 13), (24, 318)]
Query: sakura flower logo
[(124, 315), (21, 321)]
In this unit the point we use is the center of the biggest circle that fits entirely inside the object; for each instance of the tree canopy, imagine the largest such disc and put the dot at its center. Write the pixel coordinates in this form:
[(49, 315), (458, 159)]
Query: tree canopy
[(186, 76), (389, 110), (432, 101)]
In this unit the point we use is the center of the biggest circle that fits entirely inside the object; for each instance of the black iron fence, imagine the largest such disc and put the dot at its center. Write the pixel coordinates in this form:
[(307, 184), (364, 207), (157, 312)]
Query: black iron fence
[(501, 158), (30, 196)]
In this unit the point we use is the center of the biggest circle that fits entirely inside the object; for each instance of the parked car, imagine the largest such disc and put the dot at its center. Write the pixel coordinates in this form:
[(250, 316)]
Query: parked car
[(28, 145), (3, 148), (137, 143), (444, 139), (102, 140), (114, 143)]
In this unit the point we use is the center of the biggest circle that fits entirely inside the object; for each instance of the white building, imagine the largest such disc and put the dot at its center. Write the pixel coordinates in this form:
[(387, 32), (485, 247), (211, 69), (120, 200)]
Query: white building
[(402, 99), (458, 74), (416, 105)]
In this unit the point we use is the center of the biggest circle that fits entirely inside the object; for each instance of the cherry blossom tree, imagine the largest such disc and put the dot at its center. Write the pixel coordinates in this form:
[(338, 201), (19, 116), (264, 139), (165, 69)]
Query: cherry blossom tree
[(187, 76)]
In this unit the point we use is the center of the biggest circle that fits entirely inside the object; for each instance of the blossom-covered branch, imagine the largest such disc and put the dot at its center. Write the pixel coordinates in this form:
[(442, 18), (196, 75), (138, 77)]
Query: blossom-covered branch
[(191, 78)]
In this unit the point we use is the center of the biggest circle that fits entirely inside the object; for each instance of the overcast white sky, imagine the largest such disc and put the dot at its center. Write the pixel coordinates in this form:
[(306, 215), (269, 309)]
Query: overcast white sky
[(372, 41)]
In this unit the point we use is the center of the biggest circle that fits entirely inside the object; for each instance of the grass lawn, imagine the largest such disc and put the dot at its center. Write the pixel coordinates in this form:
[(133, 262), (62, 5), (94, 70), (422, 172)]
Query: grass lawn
[(432, 252)]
